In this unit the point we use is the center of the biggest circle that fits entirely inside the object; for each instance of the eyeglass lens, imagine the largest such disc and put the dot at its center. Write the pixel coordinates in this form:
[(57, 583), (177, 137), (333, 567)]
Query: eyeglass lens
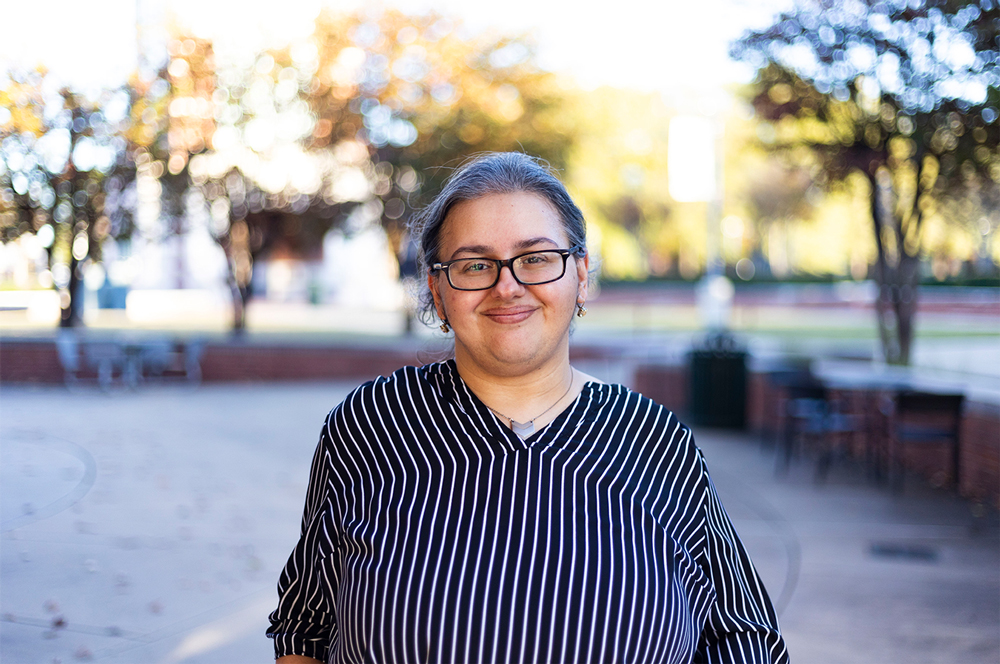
[(534, 268)]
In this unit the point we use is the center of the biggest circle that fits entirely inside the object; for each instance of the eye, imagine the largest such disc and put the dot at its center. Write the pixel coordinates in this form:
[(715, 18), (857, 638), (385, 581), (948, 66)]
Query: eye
[(537, 259), (474, 266)]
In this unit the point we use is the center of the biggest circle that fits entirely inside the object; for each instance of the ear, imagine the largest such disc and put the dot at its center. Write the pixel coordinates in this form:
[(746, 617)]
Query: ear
[(432, 284), (583, 275)]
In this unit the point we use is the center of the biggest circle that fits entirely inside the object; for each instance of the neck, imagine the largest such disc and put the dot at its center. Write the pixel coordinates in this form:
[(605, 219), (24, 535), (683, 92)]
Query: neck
[(522, 396)]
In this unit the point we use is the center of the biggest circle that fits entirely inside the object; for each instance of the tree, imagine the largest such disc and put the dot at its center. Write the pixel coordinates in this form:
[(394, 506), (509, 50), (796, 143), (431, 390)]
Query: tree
[(63, 168), (778, 194), (617, 171), (905, 94), (358, 124), (186, 121), (422, 97)]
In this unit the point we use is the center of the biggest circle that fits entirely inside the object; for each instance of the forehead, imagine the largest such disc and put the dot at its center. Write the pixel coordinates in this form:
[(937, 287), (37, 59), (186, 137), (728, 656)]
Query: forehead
[(500, 219)]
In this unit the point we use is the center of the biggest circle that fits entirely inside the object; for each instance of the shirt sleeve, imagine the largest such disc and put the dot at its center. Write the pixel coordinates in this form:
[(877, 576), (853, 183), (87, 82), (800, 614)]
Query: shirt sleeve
[(305, 621), (742, 626)]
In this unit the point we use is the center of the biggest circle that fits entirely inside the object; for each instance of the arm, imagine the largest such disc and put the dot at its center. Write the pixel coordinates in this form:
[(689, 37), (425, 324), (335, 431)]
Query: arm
[(742, 626), (304, 624), (296, 659)]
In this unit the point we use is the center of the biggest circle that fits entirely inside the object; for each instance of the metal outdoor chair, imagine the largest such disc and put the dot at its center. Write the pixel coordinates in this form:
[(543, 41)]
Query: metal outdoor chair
[(832, 429), (800, 398), (813, 417)]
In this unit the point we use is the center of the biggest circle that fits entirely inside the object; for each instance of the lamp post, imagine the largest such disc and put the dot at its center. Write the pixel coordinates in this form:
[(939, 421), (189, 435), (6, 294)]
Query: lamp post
[(717, 373), (695, 161)]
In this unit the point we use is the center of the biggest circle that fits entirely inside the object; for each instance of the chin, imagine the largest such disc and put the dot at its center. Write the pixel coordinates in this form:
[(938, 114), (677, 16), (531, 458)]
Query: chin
[(515, 357), (514, 362), (513, 350)]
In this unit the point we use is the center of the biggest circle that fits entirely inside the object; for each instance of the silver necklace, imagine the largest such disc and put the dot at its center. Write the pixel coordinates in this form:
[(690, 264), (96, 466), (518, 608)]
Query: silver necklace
[(523, 429)]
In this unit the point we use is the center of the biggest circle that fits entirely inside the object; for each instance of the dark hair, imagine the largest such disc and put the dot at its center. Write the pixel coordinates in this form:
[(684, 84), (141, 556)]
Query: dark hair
[(486, 174)]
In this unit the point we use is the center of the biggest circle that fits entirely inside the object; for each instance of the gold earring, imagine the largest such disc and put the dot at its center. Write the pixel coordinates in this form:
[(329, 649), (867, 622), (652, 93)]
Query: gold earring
[(581, 310), (444, 326)]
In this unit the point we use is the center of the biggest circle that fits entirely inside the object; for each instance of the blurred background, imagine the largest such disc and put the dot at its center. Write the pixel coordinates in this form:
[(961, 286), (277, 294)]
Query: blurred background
[(184, 164), (796, 198)]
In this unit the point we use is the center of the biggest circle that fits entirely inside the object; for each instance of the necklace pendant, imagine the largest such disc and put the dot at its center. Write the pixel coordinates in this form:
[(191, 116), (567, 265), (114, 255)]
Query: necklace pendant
[(523, 429)]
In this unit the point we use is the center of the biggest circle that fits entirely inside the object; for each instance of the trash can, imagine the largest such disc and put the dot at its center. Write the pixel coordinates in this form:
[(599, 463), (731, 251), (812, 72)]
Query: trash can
[(718, 383)]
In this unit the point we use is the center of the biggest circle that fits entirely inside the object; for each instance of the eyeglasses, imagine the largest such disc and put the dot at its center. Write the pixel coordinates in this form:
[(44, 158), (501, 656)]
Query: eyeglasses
[(530, 269)]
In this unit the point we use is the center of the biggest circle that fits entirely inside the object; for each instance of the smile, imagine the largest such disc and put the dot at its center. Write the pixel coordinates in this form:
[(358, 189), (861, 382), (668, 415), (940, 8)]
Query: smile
[(509, 316)]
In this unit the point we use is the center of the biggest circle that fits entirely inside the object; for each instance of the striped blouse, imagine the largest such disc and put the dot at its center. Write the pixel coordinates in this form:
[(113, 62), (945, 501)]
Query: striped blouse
[(433, 533)]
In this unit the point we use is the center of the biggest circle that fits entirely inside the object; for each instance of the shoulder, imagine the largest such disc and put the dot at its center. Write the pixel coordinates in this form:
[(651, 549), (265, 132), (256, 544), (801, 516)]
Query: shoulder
[(645, 417), (628, 400), (660, 452), (400, 389)]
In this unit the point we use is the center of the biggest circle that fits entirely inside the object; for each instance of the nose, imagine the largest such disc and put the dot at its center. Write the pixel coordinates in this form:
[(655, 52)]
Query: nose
[(507, 286)]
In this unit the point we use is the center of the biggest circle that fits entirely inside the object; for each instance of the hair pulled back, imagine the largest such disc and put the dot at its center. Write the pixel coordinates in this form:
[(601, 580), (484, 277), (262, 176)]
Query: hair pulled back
[(484, 175)]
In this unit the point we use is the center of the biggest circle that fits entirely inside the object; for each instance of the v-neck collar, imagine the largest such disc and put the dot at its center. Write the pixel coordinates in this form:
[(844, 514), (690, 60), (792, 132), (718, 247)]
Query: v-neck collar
[(451, 388)]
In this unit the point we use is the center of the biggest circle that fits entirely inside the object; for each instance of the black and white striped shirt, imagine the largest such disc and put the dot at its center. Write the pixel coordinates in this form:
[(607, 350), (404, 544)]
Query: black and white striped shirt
[(432, 533)]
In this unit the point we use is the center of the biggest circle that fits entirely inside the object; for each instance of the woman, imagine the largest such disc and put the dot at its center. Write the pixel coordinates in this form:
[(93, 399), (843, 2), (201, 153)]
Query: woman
[(502, 506)]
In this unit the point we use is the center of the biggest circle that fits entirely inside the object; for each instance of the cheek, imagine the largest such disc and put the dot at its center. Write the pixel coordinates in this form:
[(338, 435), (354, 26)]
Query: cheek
[(565, 299), (459, 302)]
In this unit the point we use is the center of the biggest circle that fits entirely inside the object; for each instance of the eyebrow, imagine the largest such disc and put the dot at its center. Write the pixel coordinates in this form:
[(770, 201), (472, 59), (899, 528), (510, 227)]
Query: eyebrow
[(481, 249)]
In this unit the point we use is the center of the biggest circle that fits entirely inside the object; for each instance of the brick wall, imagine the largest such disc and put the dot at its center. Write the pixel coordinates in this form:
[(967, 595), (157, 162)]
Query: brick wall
[(30, 362), (231, 362), (980, 474), (762, 405), (665, 384)]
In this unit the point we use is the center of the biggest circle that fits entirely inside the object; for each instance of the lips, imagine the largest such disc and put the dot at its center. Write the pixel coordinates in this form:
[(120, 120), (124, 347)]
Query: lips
[(509, 315)]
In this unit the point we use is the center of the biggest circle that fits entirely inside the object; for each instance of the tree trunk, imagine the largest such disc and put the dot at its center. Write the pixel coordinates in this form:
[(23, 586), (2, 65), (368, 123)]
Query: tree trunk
[(239, 310), (238, 291), (71, 314), (897, 277), (908, 280), (240, 296)]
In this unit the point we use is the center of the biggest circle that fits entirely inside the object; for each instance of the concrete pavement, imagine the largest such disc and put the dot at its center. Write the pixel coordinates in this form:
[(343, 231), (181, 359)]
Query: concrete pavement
[(860, 573), (150, 526)]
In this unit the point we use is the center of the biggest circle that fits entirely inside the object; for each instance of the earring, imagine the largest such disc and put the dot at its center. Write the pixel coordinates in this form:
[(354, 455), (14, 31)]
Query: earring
[(581, 310), (444, 326)]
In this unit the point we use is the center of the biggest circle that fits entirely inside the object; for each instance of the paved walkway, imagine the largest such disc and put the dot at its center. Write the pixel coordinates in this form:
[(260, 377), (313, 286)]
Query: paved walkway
[(149, 527)]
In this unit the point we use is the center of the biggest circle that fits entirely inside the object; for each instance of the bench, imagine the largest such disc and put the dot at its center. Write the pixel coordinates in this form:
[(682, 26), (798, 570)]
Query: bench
[(128, 362)]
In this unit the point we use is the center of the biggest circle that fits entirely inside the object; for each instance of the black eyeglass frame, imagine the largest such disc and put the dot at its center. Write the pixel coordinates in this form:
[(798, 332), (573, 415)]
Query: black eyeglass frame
[(575, 250)]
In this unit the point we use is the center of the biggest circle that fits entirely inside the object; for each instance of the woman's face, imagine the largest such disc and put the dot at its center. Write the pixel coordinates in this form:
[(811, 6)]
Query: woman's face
[(509, 329)]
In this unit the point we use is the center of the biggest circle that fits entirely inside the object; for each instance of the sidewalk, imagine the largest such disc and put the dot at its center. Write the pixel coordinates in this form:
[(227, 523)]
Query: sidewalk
[(150, 526), (859, 573)]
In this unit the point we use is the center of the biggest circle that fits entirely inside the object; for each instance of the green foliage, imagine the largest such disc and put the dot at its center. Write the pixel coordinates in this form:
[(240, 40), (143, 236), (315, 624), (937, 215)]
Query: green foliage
[(358, 125), (905, 93), (913, 88), (617, 172), (64, 169), (361, 123), (421, 98)]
